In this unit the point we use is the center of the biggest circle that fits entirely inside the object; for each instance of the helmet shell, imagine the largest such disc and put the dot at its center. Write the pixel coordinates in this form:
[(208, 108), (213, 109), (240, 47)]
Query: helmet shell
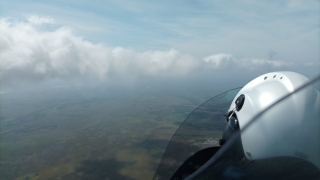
[(287, 129)]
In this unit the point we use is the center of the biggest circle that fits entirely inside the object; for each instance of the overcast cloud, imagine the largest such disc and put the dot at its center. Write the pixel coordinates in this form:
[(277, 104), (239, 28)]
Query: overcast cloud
[(30, 52)]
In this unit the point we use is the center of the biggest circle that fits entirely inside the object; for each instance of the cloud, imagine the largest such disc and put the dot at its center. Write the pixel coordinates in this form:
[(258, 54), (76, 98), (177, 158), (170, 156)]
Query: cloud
[(30, 54), (228, 61), (36, 20)]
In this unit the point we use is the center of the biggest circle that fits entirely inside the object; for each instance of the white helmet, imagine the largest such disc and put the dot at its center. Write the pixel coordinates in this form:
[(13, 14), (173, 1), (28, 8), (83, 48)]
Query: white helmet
[(289, 129)]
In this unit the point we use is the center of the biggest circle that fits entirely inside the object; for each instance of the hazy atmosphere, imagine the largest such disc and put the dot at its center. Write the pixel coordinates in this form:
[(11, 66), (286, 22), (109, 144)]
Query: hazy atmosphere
[(95, 90)]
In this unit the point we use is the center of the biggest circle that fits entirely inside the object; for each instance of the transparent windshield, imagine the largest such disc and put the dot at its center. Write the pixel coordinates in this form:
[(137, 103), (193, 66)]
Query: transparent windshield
[(201, 129)]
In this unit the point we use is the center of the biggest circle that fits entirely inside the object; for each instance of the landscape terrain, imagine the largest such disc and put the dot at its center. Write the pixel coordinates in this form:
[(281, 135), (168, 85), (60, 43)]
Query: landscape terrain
[(97, 133)]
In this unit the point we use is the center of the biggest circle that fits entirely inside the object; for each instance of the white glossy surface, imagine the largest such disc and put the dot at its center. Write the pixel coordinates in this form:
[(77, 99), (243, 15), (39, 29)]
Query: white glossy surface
[(291, 128)]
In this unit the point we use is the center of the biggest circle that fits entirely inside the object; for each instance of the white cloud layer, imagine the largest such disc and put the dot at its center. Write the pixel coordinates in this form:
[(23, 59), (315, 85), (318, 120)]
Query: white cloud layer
[(30, 54), (36, 20), (226, 61)]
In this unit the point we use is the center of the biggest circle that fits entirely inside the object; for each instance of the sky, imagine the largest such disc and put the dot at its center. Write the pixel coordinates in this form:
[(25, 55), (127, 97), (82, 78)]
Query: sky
[(50, 41)]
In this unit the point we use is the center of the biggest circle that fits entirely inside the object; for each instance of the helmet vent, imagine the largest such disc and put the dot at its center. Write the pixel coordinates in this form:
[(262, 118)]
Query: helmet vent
[(239, 102), (274, 76), (281, 78), (265, 78)]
